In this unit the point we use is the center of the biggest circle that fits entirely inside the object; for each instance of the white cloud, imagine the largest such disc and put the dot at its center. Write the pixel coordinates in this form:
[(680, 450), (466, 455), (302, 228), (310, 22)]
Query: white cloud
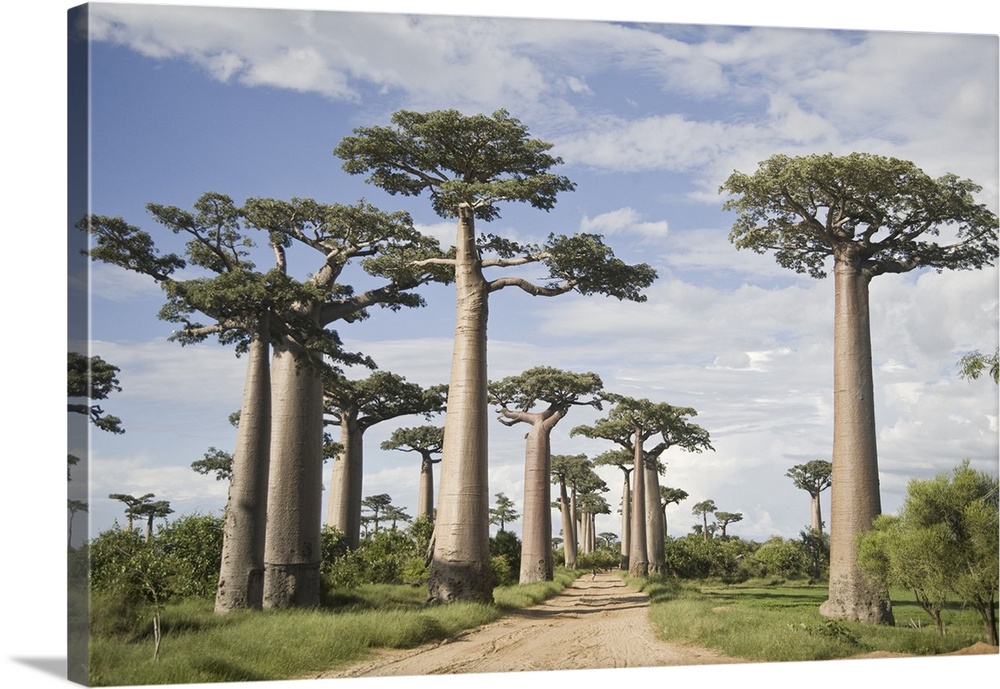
[(622, 221)]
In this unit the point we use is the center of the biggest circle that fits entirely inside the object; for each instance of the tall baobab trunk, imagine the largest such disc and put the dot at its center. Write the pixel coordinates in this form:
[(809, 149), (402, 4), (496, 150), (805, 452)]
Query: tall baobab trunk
[(292, 546), (343, 509), (425, 491), (638, 560), (816, 523), (654, 523), (460, 561), (574, 534), (855, 500), (626, 521), (536, 524), (241, 571), (569, 530)]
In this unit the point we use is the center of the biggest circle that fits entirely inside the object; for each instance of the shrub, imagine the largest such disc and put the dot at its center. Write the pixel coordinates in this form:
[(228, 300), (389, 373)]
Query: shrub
[(195, 542)]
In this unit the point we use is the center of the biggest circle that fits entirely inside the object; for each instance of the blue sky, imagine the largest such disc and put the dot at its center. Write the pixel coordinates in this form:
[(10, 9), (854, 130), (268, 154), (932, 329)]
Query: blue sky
[(649, 119)]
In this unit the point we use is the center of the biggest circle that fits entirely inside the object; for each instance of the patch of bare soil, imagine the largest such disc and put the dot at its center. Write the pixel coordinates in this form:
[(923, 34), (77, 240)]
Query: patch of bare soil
[(978, 648), (593, 624)]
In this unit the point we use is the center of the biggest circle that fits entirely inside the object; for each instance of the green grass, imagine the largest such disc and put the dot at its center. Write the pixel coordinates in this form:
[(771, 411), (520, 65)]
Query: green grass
[(782, 623), (199, 646)]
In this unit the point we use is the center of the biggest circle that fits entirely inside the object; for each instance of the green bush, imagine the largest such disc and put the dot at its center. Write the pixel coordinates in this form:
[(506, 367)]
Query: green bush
[(195, 542), (783, 557), (506, 545)]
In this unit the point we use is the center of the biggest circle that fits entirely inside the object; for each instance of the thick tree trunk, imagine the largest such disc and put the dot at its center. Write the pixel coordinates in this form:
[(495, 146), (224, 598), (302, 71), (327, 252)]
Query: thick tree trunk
[(343, 509), (569, 539), (425, 492), (663, 512), (460, 561), (572, 521), (241, 571), (816, 523), (626, 522), (855, 500), (654, 522), (638, 560), (536, 525), (292, 547)]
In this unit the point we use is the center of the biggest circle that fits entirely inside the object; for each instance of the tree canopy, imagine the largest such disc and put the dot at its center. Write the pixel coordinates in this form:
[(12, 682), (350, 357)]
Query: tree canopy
[(886, 212)]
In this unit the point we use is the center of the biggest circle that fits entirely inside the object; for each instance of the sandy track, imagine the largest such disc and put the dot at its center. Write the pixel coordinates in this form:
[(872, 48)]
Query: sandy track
[(599, 623)]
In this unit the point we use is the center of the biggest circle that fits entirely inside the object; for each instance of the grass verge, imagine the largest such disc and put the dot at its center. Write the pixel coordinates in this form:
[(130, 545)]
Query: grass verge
[(781, 622), (199, 646)]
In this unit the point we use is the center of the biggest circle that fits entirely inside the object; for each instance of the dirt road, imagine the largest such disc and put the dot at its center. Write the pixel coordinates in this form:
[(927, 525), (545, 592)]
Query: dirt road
[(599, 623)]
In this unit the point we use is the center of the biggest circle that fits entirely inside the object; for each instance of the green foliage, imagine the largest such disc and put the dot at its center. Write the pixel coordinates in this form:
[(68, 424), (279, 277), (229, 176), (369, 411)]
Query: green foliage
[(805, 209), (813, 477), (505, 558), (944, 542), (475, 160), (92, 378), (215, 461), (781, 623), (974, 363), (503, 512), (194, 543), (388, 557), (599, 559), (782, 557)]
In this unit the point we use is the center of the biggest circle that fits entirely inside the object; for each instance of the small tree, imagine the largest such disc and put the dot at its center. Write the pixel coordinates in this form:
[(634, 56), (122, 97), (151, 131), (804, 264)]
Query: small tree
[(503, 511), (813, 477), (724, 519), (133, 505), (153, 510), (377, 505), (945, 539), (702, 509), (427, 442), (670, 496)]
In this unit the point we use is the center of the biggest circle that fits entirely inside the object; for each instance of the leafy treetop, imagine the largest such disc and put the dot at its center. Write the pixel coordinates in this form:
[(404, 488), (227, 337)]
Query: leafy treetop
[(882, 213)]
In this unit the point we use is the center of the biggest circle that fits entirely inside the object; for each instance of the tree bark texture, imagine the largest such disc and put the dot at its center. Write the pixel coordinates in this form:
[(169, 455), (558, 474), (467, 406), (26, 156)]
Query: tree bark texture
[(292, 547), (816, 522), (569, 531), (425, 492), (241, 571), (344, 504), (626, 522), (638, 560), (655, 554), (855, 500), (460, 562), (536, 524)]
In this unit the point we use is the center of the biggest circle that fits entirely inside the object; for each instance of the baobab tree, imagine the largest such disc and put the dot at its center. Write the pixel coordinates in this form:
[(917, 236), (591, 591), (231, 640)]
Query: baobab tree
[(355, 406), (377, 506), (724, 519), (703, 509), (813, 477), (133, 506), (469, 165), (870, 215), (427, 442), (157, 509), (566, 470), (588, 506), (622, 459), (629, 424), (554, 392), (670, 496), (281, 416)]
